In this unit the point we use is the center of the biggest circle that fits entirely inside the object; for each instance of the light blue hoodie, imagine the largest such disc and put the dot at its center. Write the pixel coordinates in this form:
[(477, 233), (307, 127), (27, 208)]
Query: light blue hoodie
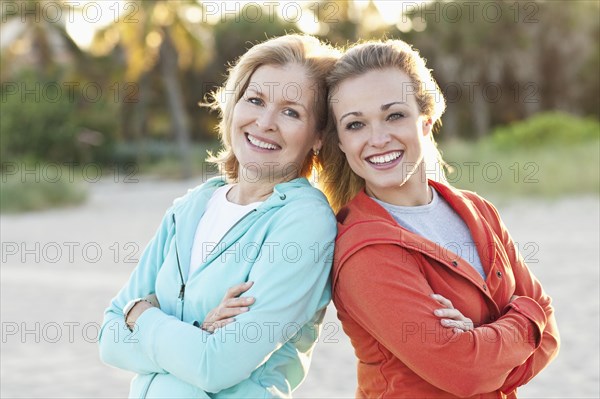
[(285, 246)]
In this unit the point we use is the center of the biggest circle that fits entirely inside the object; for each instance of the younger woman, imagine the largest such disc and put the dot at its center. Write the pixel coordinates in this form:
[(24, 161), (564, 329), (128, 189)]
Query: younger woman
[(427, 281)]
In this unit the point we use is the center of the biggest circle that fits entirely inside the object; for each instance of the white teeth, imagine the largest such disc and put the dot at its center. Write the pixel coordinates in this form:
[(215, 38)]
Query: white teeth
[(381, 159), (261, 144)]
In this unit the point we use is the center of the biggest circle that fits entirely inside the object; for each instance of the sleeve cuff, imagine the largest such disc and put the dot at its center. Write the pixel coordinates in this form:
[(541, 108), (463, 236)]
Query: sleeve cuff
[(145, 328), (533, 311), (154, 325)]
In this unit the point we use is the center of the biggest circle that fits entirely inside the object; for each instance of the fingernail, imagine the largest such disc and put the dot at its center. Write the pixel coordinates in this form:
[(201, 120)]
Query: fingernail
[(250, 299), (444, 321), (244, 309), (437, 312), (249, 282)]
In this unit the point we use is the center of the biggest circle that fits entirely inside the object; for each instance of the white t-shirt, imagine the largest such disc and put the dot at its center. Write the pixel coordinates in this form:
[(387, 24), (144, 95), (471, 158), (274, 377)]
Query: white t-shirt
[(219, 217)]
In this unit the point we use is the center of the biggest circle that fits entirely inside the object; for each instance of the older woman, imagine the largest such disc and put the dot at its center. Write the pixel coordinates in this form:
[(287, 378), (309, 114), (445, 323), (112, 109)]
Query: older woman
[(263, 229), (427, 282)]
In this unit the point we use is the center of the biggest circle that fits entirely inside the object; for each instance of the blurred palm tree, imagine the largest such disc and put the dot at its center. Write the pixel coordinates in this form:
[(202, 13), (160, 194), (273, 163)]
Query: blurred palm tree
[(530, 54), (166, 36), (469, 56), (30, 40)]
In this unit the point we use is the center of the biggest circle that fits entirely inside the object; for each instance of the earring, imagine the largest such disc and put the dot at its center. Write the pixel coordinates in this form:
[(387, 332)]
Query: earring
[(316, 152)]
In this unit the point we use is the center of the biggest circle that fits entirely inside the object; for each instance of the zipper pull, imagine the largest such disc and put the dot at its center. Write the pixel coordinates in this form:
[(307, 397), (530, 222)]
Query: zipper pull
[(181, 292)]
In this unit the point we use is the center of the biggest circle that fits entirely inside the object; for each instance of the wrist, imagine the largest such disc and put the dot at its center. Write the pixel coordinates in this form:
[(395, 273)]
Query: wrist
[(133, 309)]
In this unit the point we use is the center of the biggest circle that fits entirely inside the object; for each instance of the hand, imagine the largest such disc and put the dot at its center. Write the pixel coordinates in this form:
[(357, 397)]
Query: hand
[(229, 307), (451, 317), (139, 308)]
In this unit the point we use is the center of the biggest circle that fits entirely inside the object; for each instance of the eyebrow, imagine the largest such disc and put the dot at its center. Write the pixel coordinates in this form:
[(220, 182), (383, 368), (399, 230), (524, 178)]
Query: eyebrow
[(355, 113), (384, 107), (296, 103), (286, 102)]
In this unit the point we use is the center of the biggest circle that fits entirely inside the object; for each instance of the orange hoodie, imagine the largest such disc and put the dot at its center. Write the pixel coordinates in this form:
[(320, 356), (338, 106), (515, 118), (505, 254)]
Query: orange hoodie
[(382, 278)]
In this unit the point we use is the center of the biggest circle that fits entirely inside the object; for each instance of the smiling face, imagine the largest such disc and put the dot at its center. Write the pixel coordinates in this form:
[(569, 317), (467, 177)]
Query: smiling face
[(273, 125), (383, 134)]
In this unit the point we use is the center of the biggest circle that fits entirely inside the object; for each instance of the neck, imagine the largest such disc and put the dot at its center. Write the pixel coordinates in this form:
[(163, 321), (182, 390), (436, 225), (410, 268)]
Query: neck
[(245, 192), (415, 191)]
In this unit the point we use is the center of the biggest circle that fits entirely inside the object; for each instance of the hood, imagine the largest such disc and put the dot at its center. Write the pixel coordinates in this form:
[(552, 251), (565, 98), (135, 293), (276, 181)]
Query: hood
[(188, 209), (194, 201), (363, 222)]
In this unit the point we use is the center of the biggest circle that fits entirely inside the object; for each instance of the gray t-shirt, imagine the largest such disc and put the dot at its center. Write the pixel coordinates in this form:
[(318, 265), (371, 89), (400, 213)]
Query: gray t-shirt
[(439, 223)]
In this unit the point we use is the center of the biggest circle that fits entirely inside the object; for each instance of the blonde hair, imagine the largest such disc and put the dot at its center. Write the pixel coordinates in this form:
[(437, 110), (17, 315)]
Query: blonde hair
[(315, 57), (339, 182)]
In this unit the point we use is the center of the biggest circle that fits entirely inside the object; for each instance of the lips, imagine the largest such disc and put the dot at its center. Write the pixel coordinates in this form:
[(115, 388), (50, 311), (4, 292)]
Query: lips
[(261, 143), (385, 159)]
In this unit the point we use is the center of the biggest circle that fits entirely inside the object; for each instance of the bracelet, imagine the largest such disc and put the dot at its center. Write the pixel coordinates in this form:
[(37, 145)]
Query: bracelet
[(129, 306)]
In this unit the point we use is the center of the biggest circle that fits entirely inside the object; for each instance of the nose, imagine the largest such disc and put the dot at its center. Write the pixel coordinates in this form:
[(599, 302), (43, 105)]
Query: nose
[(266, 120), (379, 137)]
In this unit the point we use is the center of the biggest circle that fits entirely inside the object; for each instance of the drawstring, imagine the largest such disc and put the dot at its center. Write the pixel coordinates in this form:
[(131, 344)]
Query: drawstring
[(281, 195)]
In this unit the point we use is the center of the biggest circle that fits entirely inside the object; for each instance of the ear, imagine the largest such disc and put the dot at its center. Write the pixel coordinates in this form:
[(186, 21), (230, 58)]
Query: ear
[(427, 125), (317, 145)]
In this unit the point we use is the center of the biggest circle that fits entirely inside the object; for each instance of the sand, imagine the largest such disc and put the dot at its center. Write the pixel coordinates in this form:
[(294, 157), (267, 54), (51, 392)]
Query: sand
[(60, 269)]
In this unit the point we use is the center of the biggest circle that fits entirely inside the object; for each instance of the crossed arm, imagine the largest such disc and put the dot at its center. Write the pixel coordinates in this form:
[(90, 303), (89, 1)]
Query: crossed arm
[(285, 293)]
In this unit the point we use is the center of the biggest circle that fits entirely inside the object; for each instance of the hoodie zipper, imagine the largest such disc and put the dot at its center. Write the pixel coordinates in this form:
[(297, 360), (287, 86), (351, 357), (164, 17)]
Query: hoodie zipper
[(148, 386), (182, 287), (180, 297)]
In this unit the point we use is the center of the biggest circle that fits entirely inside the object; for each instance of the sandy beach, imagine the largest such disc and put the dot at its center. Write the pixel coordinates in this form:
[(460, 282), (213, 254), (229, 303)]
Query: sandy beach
[(60, 268)]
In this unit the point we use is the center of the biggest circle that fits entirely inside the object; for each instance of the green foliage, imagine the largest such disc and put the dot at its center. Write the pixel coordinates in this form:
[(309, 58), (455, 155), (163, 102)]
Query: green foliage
[(45, 120), (33, 191), (37, 127), (538, 171), (548, 128), (163, 161)]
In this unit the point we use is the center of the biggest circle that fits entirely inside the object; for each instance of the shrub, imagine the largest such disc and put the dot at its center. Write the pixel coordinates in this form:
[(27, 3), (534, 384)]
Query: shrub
[(548, 128), (28, 192), (44, 125)]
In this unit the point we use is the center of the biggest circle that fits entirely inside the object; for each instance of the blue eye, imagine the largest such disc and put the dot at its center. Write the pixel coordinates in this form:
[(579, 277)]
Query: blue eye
[(395, 116), (291, 112), (354, 125), (255, 100)]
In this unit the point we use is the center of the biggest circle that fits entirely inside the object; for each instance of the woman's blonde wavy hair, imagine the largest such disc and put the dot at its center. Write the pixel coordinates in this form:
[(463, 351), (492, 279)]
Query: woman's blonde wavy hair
[(338, 181), (315, 57)]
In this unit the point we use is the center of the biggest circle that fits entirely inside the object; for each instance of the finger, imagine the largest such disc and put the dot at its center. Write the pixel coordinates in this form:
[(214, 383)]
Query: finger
[(449, 313), (442, 300), (208, 327), (238, 289), (464, 325), (237, 302), (221, 323), (457, 324), (226, 313)]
